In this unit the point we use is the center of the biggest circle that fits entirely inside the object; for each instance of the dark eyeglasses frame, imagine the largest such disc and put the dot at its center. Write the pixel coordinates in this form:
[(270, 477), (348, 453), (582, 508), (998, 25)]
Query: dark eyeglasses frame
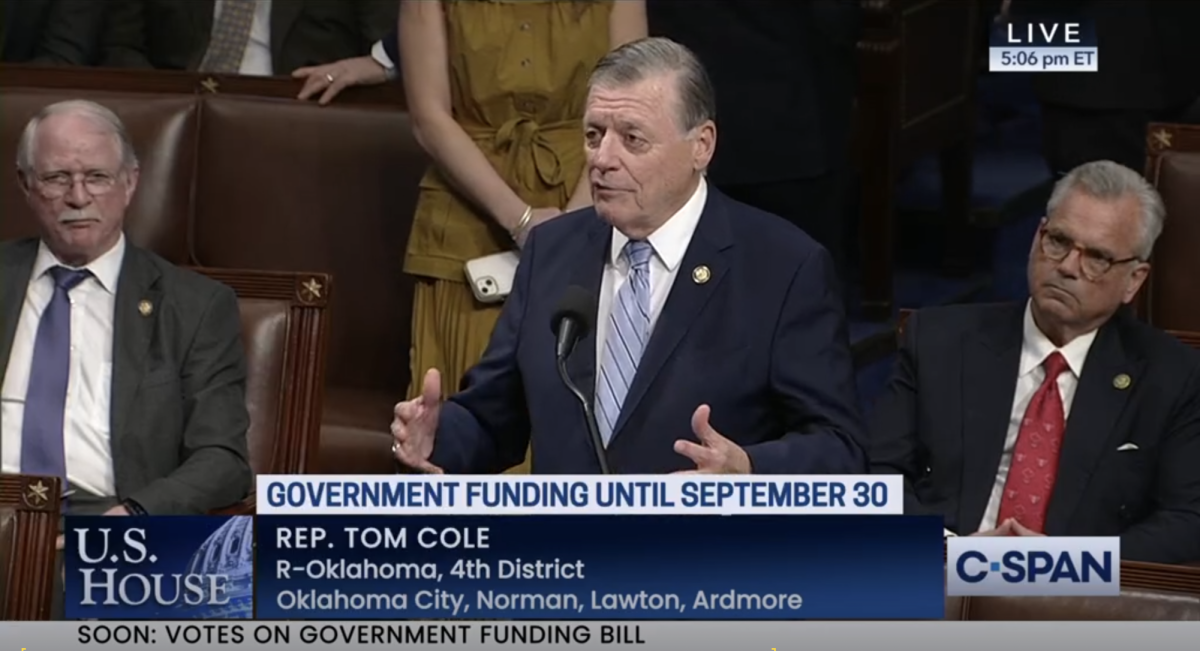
[(1087, 256)]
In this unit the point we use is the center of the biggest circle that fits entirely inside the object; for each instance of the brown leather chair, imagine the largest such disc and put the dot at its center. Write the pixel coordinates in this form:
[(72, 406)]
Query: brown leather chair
[(1170, 298), (1149, 592), (1132, 605), (330, 189), (29, 514), (285, 330)]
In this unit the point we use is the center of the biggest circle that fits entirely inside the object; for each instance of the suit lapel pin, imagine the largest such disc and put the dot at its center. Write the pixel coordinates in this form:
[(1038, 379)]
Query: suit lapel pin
[(1122, 381), (145, 307), (701, 274)]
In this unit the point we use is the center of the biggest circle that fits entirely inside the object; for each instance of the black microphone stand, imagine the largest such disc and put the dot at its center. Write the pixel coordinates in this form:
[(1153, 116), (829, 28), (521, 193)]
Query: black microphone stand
[(589, 415)]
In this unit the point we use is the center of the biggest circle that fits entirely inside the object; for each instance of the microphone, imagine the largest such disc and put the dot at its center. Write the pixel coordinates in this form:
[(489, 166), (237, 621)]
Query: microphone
[(571, 322)]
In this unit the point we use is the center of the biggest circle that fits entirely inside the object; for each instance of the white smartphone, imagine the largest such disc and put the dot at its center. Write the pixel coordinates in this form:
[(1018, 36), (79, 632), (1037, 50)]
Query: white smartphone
[(491, 277)]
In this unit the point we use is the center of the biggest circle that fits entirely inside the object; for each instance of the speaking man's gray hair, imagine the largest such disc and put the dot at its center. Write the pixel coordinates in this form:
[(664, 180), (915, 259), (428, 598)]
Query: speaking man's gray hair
[(649, 57)]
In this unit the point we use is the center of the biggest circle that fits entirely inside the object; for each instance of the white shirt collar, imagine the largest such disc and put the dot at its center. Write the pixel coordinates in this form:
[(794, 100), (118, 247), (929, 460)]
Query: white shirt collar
[(671, 239), (1036, 347), (106, 269)]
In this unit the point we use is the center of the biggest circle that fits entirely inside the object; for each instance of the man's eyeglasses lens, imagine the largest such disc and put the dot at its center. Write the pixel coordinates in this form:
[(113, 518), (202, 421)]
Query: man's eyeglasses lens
[(55, 186)]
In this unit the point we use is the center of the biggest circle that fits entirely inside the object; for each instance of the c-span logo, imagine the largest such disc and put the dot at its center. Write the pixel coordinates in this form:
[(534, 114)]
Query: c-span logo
[(1031, 566)]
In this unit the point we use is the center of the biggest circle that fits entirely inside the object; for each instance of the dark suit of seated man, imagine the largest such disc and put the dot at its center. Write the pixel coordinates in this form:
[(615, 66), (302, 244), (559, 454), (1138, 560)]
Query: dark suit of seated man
[(51, 32), (722, 345), (122, 374), (988, 441)]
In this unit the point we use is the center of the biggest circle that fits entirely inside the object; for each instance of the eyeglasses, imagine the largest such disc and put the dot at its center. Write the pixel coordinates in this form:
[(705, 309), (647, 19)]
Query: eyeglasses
[(1094, 264), (58, 184)]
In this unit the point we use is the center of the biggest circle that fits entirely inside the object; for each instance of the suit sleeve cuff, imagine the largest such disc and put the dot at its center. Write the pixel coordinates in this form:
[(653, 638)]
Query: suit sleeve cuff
[(379, 54), (133, 507)]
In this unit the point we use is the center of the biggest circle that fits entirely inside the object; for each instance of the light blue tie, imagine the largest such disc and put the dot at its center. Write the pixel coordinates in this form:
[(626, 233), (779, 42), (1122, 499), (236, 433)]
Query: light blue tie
[(628, 331)]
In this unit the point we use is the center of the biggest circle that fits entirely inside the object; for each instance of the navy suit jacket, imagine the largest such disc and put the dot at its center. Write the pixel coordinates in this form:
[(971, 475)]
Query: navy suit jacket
[(763, 342)]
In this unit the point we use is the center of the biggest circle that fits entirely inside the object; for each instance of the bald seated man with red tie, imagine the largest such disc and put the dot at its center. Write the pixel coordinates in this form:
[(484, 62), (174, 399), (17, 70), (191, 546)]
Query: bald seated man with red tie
[(1064, 415)]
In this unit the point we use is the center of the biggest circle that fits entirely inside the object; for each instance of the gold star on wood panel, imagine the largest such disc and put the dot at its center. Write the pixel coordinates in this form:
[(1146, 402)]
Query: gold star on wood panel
[(1162, 138), (311, 289), (39, 494)]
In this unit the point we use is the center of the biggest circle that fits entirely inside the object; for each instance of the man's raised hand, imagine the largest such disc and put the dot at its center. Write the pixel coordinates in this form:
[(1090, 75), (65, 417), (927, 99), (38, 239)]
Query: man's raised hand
[(415, 423)]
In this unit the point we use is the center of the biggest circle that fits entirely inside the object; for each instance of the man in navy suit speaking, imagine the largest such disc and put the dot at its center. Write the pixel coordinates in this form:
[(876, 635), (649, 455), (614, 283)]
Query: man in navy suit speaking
[(668, 328)]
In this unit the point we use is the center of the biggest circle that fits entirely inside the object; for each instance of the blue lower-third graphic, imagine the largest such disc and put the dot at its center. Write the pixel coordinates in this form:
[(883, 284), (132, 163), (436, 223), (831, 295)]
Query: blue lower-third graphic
[(601, 567)]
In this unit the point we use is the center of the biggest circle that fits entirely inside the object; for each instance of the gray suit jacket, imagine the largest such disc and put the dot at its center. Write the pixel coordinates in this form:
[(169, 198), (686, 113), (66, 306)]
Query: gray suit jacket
[(179, 417)]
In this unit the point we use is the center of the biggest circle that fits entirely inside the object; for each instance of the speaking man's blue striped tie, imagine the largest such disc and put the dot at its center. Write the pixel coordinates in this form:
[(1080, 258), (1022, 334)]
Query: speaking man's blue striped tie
[(628, 331)]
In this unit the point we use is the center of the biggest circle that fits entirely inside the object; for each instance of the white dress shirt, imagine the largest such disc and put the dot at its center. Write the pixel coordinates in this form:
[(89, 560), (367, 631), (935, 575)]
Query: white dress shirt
[(669, 242), (86, 423), (1035, 348), (256, 60), (379, 54)]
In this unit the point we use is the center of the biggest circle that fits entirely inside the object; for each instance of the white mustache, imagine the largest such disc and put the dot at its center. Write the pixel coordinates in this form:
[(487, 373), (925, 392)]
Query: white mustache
[(72, 216)]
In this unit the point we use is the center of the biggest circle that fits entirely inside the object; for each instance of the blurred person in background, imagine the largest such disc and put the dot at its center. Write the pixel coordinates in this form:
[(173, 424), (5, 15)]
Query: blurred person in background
[(785, 75), (327, 81), (248, 37), (496, 92), (51, 32), (1147, 58)]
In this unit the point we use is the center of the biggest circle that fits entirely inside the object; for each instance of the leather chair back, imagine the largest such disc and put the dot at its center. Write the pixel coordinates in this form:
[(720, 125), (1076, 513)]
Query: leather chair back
[(285, 330), (1132, 605), (1149, 592), (29, 514), (1169, 299), (286, 185)]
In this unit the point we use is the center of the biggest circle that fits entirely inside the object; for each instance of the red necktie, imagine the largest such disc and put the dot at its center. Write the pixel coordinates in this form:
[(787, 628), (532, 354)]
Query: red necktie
[(1034, 463)]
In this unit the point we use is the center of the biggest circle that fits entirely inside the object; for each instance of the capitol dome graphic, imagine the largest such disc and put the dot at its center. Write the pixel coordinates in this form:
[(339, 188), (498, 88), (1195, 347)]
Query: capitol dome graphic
[(229, 551)]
